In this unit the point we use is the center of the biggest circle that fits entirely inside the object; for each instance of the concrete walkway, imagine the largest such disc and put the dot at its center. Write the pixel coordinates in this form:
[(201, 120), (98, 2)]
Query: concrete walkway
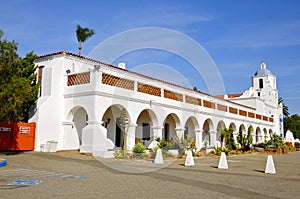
[(71, 175)]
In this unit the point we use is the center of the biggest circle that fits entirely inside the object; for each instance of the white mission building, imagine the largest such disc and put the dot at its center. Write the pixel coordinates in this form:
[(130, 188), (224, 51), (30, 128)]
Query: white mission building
[(81, 99)]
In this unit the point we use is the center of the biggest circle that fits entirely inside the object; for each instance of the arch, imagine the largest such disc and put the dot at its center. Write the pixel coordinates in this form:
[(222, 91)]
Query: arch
[(250, 130), (241, 133), (111, 121), (208, 126), (190, 126), (171, 123), (258, 135), (270, 132), (220, 127), (242, 129), (145, 121), (266, 136), (78, 115), (232, 126)]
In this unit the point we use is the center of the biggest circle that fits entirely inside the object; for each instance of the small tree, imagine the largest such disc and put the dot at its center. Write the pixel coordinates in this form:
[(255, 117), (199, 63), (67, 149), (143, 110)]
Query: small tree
[(124, 124), (226, 135), (285, 108), (186, 143), (138, 150), (82, 35), (18, 87)]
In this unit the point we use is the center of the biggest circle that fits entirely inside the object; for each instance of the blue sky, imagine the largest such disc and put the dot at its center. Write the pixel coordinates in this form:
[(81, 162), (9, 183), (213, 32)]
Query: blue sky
[(237, 35)]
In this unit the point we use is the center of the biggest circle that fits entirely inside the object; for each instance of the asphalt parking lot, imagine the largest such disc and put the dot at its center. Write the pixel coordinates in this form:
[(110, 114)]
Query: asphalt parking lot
[(72, 175)]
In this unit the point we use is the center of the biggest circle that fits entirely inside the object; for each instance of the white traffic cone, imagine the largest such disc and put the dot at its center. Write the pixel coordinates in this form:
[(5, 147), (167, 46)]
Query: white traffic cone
[(270, 167), (158, 157), (189, 161), (223, 162)]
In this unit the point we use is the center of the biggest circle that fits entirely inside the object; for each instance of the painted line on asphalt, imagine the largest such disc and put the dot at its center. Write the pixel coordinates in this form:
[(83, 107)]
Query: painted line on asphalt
[(31, 172)]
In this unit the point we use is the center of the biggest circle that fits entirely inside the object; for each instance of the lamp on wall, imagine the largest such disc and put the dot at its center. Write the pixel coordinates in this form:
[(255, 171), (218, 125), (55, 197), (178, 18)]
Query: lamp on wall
[(97, 66)]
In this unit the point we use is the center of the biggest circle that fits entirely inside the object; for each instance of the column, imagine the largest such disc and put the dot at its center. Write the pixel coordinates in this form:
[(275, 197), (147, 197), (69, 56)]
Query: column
[(253, 138), (235, 135), (213, 138), (157, 132), (94, 139), (131, 136), (179, 132), (260, 138), (199, 141)]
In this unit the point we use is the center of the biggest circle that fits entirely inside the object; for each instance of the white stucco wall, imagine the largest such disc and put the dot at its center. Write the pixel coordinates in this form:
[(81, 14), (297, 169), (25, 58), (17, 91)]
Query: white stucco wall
[(55, 116)]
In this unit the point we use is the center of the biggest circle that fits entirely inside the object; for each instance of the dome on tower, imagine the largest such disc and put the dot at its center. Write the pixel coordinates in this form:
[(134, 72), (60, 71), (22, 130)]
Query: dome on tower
[(263, 71)]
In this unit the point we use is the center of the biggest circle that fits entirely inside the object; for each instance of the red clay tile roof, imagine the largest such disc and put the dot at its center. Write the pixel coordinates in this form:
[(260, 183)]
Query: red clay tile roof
[(93, 60)]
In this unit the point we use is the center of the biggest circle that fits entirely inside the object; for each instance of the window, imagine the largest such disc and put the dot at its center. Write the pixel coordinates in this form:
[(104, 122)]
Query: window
[(167, 127), (146, 131), (261, 83)]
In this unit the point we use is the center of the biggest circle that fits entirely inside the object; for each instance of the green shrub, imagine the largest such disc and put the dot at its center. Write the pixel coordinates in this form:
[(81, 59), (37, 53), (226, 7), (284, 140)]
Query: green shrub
[(165, 152), (139, 148), (120, 154), (222, 149), (290, 146), (276, 141)]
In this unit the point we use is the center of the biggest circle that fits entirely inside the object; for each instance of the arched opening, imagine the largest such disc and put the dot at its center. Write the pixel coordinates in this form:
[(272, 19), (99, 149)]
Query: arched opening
[(219, 139), (261, 83), (258, 135), (270, 133), (207, 128), (170, 124), (190, 126), (266, 136), (232, 127), (80, 118), (250, 137), (112, 122), (144, 132), (241, 134)]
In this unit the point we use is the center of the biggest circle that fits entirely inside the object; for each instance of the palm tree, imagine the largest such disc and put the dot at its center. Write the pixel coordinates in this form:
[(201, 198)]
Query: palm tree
[(82, 35), (285, 109)]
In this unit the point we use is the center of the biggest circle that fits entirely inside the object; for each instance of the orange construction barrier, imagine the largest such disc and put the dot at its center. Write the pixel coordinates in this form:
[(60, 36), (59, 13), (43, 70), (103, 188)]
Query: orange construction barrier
[(17, 136)]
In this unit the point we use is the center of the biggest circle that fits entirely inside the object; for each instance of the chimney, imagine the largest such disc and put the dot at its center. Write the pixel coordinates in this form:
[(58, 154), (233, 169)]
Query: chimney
[(122, 65)]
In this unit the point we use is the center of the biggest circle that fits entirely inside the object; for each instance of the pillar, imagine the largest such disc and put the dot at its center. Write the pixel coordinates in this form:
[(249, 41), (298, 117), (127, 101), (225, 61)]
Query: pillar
[(198, 134), (235, 136), (157, 132), (253, 135), (213, 137), (179, 132), (131, 136), (94, 139), (260, 138)]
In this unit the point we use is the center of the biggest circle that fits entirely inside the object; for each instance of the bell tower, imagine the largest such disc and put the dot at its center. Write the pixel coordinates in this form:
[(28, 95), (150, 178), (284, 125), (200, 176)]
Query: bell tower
[(264, 82)]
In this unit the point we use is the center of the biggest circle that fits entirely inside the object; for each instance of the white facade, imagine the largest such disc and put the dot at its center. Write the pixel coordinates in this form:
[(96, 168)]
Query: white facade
[(81, 100)]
